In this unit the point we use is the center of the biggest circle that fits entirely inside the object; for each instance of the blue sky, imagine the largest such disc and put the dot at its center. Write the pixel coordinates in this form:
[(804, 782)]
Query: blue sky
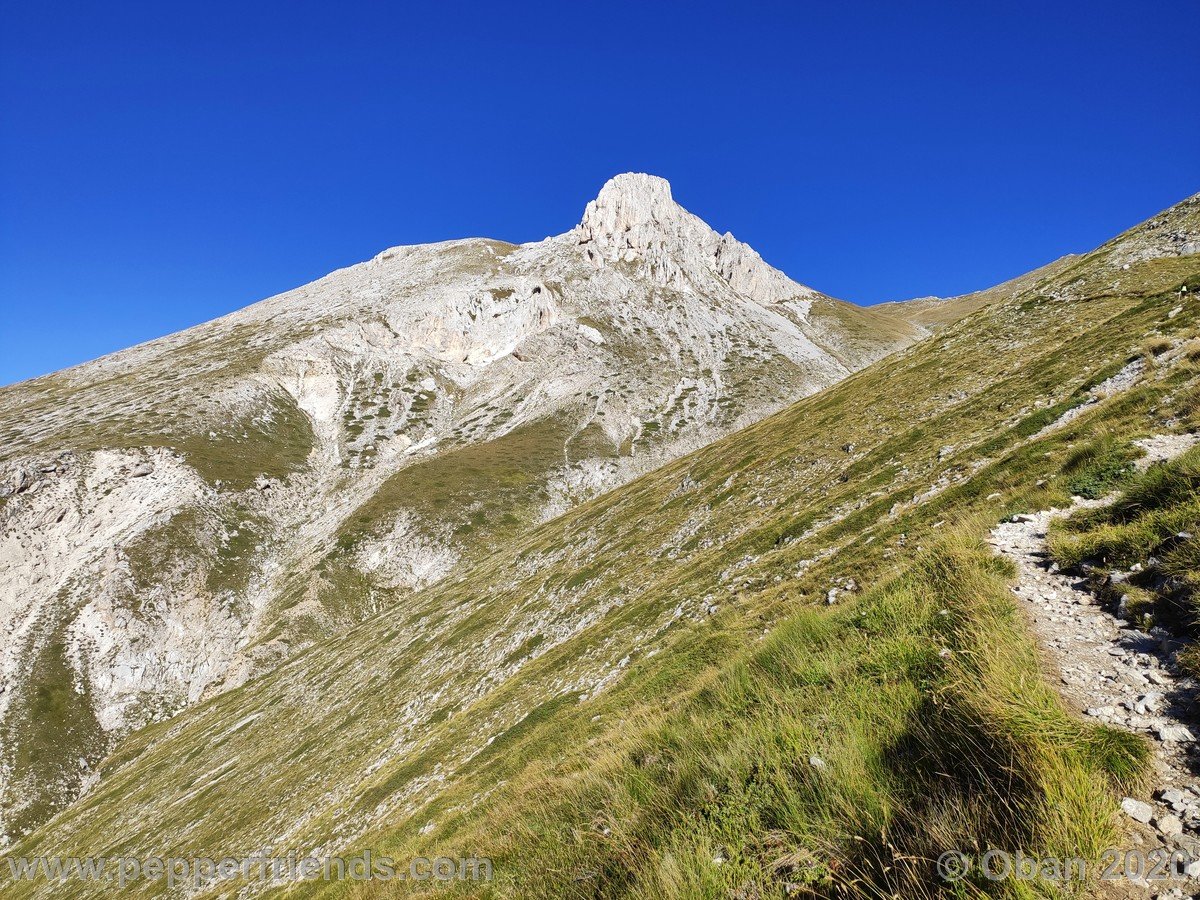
[(162, 164)]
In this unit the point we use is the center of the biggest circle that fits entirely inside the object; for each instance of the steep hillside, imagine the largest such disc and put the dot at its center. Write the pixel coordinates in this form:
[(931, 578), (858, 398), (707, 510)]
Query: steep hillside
[(181, 515), (782, 663), (932, 313)]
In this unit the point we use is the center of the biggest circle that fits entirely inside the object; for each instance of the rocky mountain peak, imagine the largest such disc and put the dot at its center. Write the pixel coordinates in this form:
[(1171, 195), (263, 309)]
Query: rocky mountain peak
[(635, 221), (629, 201), (391, 423)]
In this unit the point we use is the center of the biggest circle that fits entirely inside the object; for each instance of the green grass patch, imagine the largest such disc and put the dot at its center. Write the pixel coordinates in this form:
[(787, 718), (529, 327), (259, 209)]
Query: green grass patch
[(45, 737), (1099, 466), (845, 752)]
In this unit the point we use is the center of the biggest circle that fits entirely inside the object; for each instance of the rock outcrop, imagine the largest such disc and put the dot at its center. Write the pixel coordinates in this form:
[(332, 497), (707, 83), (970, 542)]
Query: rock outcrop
[(634, 220)]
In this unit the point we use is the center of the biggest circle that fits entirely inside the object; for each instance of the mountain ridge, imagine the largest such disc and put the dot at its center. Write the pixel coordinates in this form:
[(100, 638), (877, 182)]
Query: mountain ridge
[(775, 661), (180, 516)]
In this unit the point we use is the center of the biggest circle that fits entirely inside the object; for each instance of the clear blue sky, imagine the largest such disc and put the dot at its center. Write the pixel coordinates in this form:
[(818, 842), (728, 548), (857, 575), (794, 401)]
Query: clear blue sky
[(163, 163)]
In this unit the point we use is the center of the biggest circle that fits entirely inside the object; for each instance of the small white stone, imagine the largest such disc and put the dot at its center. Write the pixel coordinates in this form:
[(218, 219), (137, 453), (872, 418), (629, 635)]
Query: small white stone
[(1174, 734), (1137, 810), (1168, 825)]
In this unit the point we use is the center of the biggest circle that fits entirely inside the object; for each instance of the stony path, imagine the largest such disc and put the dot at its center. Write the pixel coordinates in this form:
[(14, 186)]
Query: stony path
[(1111, 671), (1121, 676)]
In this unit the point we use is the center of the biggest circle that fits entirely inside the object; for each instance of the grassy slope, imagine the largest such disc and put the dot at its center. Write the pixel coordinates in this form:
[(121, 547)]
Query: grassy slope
[(694, 595), (90, 407), (857, 331), (938, 312)]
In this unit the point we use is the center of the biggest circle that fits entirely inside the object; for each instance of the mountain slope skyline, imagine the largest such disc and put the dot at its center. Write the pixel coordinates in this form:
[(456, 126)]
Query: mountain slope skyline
[(225, 169), (221, 308), (758, 663), (189, 513)]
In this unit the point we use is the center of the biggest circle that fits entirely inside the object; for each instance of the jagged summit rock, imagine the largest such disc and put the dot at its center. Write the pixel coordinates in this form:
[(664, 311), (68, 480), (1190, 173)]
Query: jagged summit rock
[(627, 202), (634, 220)]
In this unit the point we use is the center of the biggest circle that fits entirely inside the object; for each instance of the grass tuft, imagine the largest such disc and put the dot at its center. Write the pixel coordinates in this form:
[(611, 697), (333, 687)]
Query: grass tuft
[(1097, 467)]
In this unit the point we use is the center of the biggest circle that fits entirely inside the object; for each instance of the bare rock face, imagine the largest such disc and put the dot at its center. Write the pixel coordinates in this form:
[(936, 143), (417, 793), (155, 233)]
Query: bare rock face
[(243, 488), (1171, 233), (634, 220), (635, 207)]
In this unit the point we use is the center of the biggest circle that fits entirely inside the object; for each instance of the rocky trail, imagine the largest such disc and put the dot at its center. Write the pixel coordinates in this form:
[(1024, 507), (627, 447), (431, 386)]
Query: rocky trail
[(1113, 672)]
